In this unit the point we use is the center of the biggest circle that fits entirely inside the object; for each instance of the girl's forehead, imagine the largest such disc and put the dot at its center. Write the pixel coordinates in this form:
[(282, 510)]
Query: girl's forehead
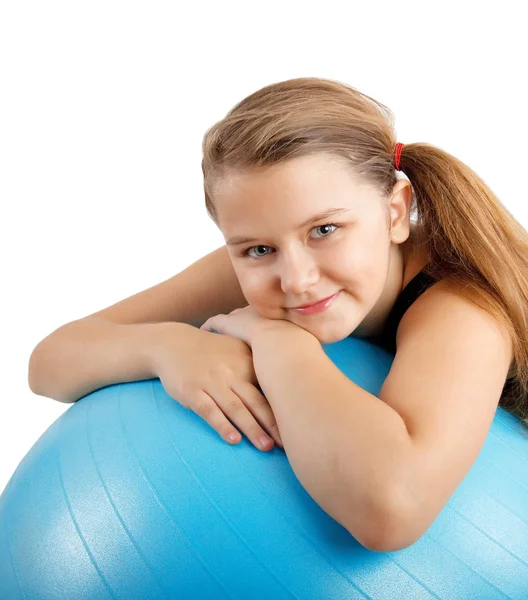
[(310, 177)]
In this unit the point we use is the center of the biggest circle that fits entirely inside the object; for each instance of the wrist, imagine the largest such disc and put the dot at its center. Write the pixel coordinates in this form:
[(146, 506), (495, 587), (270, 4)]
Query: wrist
[(277, 328), (153, 340), (273, 326)]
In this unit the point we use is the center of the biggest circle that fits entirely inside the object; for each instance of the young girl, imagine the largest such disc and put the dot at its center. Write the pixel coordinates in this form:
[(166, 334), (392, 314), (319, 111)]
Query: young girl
[(302, 179)]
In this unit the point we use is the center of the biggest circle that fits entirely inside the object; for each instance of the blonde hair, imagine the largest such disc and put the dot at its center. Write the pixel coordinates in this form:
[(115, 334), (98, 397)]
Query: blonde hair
[(470, 238)]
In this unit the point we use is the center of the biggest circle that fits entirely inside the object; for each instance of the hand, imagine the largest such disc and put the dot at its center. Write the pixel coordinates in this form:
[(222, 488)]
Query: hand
[(214, 376), (242, 323)]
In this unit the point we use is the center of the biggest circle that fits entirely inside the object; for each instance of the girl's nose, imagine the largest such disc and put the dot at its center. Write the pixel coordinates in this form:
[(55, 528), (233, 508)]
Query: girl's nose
[(298, 273)]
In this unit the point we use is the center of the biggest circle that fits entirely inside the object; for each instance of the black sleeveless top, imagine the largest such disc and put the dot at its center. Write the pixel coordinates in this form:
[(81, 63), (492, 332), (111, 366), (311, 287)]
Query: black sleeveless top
[(415, 288)]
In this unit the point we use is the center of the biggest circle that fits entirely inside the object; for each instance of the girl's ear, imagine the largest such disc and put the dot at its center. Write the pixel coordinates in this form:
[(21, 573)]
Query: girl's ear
[(399, 211)]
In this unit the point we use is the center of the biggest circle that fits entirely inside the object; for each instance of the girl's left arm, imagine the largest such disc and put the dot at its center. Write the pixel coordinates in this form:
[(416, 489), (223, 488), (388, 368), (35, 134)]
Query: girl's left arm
[(385, 466), (347, 447)]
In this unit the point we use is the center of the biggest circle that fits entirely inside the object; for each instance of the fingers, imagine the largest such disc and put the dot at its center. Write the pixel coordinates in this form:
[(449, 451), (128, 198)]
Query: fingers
[(223, 412), (259, 410)]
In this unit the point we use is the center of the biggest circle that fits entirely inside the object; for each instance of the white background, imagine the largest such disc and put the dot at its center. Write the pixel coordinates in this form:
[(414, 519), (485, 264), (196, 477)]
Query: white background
[(103, 106)]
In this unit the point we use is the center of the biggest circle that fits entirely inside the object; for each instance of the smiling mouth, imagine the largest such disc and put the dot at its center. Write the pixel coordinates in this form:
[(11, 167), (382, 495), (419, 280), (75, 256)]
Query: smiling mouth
[(316, 307), (313, 303)]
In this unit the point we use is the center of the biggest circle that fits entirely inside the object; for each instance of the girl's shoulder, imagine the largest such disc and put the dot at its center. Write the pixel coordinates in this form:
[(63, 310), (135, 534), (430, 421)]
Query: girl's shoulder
[(439, 292)]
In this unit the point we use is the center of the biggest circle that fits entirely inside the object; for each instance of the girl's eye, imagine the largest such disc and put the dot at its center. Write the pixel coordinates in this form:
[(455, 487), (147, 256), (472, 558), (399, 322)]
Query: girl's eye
[(248, 250), (327, 225)]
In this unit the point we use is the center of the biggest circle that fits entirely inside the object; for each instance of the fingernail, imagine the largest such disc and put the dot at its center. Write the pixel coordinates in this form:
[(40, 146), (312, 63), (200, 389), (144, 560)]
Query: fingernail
[(265, 440)]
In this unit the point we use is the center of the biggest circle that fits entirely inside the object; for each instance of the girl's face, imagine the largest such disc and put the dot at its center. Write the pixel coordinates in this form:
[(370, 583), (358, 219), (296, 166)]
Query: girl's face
[(285, 256)]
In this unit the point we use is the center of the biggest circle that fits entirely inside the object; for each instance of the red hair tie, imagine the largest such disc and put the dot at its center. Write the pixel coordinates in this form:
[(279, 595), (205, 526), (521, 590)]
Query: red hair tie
[(397, 154)]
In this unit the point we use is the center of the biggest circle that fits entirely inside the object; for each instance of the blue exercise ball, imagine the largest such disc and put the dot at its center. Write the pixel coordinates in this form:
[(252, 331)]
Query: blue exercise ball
[(129, 495)]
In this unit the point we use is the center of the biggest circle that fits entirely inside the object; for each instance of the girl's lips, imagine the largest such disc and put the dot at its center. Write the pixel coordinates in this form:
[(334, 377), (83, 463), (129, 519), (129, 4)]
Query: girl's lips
[(318, 307)]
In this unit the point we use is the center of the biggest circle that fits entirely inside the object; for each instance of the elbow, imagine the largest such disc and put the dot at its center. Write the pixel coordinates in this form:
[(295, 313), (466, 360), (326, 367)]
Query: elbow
[(38, 378), (390, 539), (32, 373), (384, 536), (392, 527), (36, 372)]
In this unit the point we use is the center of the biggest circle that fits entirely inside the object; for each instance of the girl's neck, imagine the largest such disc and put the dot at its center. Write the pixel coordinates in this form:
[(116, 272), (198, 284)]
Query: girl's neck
[(414, 257)]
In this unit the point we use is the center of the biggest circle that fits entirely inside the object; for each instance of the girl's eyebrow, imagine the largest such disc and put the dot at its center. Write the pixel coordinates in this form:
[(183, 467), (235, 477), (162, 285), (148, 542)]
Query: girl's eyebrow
[(236, 240)]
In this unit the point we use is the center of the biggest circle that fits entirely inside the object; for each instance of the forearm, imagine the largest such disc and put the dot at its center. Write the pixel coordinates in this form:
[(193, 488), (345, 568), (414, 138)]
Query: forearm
[(347, 448), (89, 354)]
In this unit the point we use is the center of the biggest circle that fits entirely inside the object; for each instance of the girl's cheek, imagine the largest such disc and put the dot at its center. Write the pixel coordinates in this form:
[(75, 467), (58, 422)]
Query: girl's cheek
[(254, 293), (255, 284)]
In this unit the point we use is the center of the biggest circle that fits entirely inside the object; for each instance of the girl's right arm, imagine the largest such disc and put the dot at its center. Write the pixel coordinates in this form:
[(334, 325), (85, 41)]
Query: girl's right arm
[(114, 344), (155, 334), (91, 353)]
